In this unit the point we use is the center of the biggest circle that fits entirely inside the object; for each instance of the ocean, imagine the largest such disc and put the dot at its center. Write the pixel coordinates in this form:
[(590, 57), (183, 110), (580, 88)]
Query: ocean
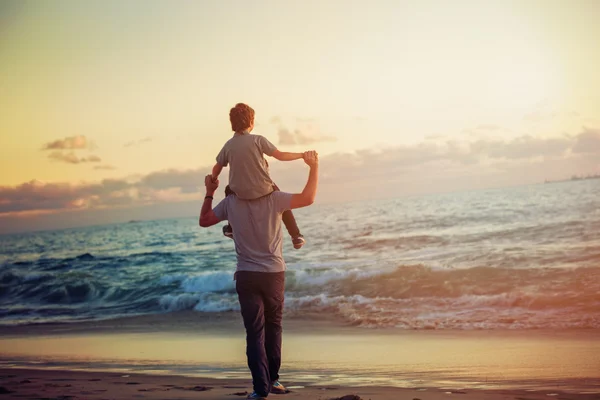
[(513, 258)]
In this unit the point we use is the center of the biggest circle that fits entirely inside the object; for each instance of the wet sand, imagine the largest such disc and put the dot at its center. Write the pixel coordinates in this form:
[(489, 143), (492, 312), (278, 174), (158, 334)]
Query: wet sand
[(74, 385), (322, 359)]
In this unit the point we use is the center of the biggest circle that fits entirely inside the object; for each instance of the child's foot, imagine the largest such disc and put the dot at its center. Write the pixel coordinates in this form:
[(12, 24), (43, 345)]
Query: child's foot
[(298, 241), (228, 231)]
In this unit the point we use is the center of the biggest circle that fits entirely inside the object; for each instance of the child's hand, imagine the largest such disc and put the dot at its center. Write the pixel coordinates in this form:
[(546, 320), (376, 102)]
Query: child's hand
[(307, 153)]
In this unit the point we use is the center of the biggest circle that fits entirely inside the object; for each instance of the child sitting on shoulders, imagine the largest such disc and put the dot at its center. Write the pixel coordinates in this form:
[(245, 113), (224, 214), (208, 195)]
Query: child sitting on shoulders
[(248, 170)]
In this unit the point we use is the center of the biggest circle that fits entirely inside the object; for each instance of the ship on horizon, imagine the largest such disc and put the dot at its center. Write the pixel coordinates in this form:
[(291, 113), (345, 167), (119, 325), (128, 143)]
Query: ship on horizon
[(575, 178)]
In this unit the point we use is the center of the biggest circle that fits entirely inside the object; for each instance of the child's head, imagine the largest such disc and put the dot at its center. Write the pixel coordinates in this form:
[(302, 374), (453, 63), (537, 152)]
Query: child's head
[(241, 117)]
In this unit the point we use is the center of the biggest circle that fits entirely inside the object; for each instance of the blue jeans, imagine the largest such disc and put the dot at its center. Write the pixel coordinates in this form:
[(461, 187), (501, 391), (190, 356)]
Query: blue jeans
[(261, 300)]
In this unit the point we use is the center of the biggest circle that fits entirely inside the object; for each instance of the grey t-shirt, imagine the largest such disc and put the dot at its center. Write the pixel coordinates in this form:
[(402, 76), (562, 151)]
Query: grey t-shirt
[(256, 230), (249, 172)]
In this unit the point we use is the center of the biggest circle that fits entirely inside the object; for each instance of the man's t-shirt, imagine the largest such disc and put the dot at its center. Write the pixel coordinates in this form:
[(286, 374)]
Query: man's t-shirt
[(248, 173), (256, 230)]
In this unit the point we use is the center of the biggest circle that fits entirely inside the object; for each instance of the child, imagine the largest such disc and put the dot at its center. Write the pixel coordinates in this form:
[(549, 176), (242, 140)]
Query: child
[(249, 171)]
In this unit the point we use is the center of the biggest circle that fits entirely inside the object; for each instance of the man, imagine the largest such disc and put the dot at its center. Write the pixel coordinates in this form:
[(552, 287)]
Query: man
[(260, 274)]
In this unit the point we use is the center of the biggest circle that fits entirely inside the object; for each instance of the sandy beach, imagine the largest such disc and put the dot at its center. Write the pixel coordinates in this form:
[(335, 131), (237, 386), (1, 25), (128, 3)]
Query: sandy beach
[(72, 385), (353, 200), (173, 356)]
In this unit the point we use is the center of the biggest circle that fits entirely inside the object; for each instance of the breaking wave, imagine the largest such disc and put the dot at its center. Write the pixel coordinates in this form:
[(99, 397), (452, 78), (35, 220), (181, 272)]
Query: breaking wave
[(521, 258)]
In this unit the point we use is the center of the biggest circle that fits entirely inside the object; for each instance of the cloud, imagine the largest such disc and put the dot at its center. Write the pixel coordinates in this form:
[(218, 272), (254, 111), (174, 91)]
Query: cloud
[(286, 137), (187, 181), (71, 158), (105, 167), (139, 142), (69, 143), (72, 143), (37, 196), (443, 156), (522, 147), (157, 187), (426, 166), (588, 141), (298, 137), (308, 135)]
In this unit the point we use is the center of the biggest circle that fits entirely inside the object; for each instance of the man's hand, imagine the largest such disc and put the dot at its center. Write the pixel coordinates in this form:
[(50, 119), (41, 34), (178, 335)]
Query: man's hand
[(211, 185), (311, 158), (307, 197), (207, 215)]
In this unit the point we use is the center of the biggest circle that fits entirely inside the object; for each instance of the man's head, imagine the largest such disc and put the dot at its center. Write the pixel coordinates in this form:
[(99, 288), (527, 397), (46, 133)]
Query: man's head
[(241, 117)]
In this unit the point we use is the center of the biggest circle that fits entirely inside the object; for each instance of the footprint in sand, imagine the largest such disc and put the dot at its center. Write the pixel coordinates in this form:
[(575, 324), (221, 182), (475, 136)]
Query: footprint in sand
[(194, 388), (4, 390), (154, 390)]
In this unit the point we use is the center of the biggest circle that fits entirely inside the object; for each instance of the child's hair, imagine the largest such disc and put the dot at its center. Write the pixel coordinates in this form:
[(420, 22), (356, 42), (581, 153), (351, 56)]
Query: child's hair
[(241, 117)]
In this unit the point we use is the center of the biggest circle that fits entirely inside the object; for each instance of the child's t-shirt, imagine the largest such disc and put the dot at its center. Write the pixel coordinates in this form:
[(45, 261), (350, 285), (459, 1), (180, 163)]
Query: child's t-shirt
[(249, 172)]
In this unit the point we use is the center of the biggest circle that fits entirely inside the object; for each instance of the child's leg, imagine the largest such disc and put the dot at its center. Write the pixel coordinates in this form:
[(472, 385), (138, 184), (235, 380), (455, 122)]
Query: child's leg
[(227, 229), (290, 223), (289, 220)]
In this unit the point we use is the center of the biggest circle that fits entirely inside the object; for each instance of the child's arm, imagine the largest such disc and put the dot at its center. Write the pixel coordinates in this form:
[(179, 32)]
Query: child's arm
[(270, 150), (216, 171), (285, 156)]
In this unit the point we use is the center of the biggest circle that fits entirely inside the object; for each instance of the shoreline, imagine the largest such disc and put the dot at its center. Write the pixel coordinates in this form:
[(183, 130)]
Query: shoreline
[(192, 321), (317, 350), (189, 321), (229, 323)]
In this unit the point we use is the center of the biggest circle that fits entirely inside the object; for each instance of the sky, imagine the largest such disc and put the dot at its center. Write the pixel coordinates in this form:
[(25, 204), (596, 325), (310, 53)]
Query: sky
[(112, 109)]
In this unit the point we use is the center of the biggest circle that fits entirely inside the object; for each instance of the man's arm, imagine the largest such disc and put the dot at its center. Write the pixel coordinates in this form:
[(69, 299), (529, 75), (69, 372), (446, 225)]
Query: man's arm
[(307, 197), (285, 156), (207, 215), (216, 171)]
